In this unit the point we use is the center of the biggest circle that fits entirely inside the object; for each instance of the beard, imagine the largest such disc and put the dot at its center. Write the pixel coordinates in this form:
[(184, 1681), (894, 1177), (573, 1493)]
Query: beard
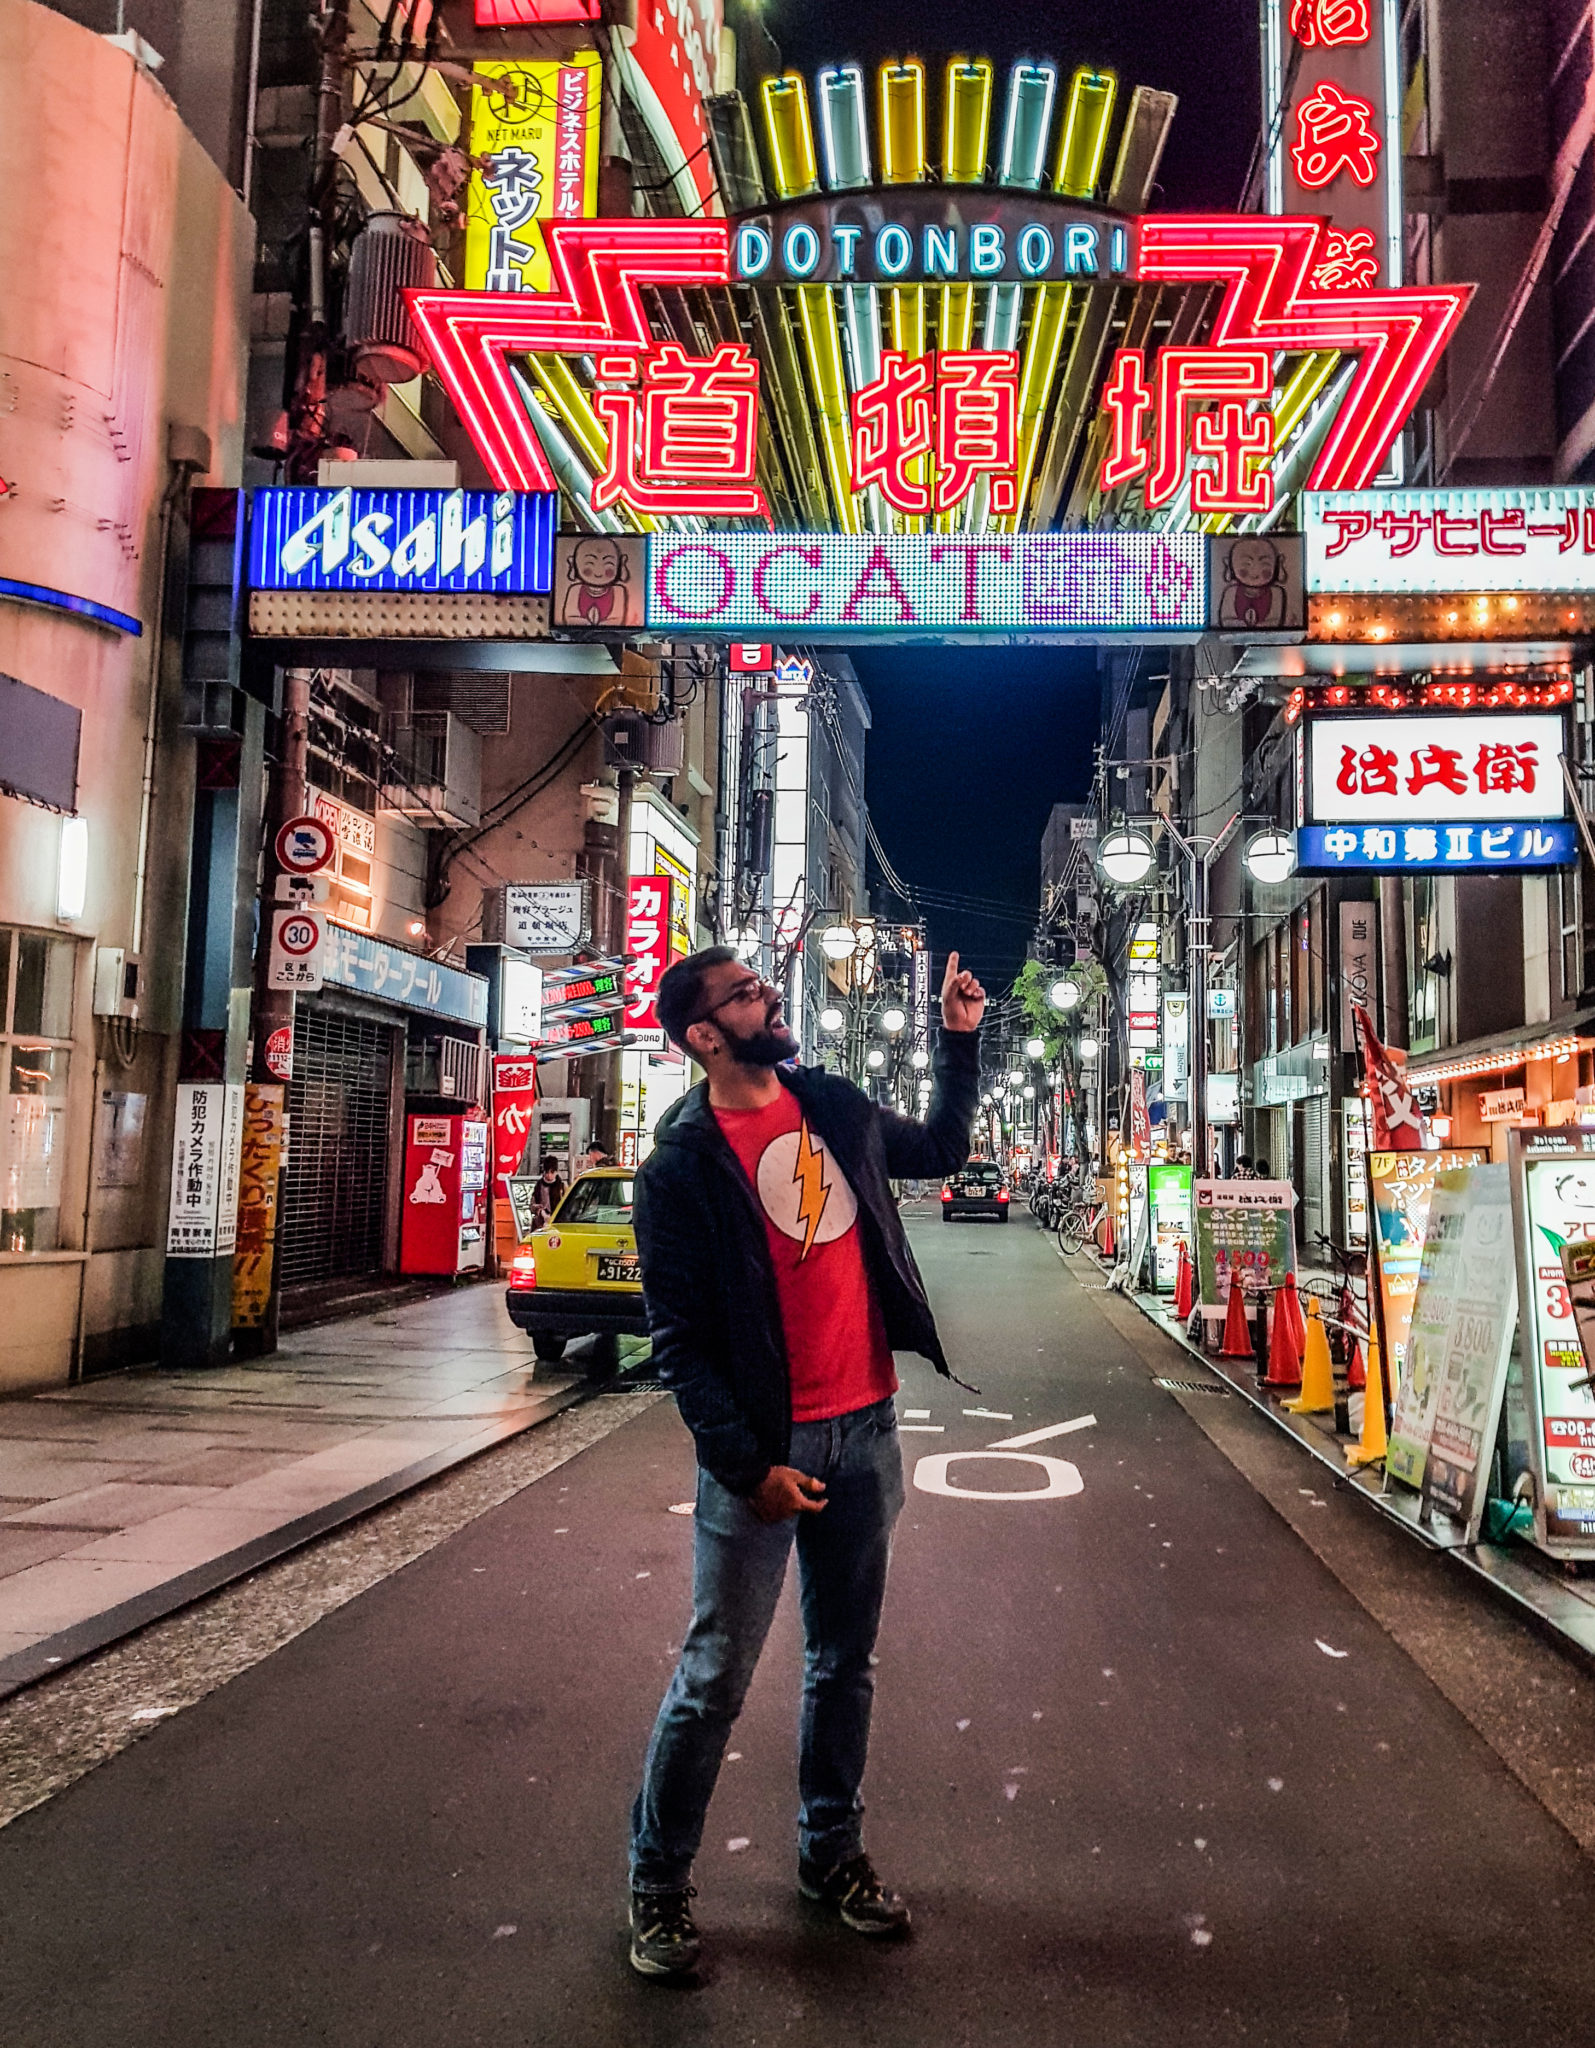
[(766, 1048)]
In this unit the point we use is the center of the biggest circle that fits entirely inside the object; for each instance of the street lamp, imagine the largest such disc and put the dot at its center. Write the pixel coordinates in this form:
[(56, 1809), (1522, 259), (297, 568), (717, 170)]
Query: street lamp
[(1015, 1078), (1088, 1049), (1270, 855), (1126, 856), (893, 1020), (875, 1057), (1064, 994), (919, 1057), (831, 1020), (1034, 1048), (1030, 1094), (838, 942)]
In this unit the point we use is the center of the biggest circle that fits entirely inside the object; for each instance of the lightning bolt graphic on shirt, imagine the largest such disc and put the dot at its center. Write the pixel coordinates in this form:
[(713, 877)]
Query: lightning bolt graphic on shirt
[(808, 1176)]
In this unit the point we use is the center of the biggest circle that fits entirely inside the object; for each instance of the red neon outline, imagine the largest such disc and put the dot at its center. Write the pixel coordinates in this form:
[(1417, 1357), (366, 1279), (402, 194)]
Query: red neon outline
[(1398, 332), (1320, 24), (1335, 132), (598, 267)]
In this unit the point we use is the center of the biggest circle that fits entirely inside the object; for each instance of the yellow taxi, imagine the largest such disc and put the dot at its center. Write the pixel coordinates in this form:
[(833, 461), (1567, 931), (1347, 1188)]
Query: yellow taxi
[(579, 1276)]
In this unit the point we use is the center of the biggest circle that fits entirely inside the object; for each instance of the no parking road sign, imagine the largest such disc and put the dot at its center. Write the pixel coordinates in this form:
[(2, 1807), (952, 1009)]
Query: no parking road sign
[(296, 941), (305, 845)]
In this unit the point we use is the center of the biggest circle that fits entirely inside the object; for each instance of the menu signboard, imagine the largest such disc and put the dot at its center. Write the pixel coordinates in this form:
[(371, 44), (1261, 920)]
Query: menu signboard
[(1553, 1192), (1464, 1313)]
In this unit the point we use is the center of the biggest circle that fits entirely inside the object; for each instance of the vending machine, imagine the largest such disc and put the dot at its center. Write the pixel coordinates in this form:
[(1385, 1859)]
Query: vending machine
[(447, 1203)]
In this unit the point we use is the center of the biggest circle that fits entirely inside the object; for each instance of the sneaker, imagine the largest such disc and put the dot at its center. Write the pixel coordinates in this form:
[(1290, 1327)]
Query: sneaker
[(664, 1939), (853, 1891)]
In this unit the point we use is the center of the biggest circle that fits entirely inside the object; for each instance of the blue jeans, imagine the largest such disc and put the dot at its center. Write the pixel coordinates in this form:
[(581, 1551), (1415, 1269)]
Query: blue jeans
[(739, 1564)]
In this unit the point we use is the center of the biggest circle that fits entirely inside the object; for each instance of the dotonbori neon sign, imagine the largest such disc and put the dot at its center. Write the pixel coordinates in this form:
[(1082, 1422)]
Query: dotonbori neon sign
[(933, 237), (682, 430)]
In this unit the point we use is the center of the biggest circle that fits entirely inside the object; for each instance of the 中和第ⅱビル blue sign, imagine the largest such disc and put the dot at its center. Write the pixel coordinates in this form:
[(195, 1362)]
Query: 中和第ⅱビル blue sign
[(1446, 848), (350, 539)]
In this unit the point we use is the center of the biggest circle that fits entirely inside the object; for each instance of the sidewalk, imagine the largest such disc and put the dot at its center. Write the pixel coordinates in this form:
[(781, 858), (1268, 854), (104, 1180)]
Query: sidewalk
[(128, 1497), (1555, 1600)]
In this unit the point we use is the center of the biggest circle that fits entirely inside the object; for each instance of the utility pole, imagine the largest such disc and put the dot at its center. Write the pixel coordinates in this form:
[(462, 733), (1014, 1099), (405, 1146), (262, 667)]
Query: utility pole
[(307, 405), (257, 1278)]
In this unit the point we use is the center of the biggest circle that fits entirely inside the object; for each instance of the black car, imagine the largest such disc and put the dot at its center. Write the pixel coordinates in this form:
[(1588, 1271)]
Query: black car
[(976, 1189)]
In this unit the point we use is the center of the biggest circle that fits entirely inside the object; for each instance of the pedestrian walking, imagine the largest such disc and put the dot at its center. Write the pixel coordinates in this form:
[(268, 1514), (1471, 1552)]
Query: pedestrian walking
[(778, 1283), (548, 1190)]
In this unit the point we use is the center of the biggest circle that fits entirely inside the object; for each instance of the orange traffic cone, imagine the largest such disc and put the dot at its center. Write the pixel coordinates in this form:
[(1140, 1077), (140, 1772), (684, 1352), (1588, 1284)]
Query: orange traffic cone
[(1291, 1303), (1182, 1285), (1109, 1242), (1357, 1371), (1373, 1442), (1284, 1359), (1237, 1337), (1317, 1395)]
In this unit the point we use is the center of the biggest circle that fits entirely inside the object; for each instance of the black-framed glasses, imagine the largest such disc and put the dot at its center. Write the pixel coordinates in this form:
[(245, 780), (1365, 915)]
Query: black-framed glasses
[(752, 987)]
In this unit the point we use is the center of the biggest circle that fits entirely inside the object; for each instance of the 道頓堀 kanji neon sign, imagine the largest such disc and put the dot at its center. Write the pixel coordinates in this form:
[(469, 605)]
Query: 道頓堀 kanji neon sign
[(682, 429)]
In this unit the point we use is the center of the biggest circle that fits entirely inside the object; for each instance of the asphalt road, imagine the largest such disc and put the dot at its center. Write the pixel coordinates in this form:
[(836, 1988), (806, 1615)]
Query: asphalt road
[(1145, 1769)]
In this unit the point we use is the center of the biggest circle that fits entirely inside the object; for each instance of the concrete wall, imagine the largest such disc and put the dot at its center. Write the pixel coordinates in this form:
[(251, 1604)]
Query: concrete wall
[(126, 261)]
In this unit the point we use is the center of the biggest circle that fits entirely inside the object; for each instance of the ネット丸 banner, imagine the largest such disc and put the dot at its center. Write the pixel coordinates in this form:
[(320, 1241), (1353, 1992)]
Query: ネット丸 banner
[(1089, 583)]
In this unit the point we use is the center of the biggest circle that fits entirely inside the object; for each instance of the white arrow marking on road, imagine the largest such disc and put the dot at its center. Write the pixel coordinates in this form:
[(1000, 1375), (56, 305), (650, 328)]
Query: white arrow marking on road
[(1040, 1436)]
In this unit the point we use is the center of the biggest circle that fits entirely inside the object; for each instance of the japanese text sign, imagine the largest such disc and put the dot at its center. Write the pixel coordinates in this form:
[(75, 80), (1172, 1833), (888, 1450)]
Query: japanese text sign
[(648, 917), (546, 917), (1483, 767), (536, 148), (1391, 542), (1554, 1199), (1330, 111), (1244, 1233), (302, 538), (376, 967), (514, 1102), (202, 1215)]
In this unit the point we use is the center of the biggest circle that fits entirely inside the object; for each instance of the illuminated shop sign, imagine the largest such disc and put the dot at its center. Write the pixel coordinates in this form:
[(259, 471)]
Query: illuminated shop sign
[(1194, 417), (310, 539), (1466, 540), (1332, 116), (534, 151), (932, 236), (1471, 766), (1454, 848), (1028, 582)]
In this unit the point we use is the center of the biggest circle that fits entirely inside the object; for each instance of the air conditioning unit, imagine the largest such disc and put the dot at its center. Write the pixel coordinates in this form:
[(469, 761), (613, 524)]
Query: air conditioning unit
[(632, 741), (432, 770)]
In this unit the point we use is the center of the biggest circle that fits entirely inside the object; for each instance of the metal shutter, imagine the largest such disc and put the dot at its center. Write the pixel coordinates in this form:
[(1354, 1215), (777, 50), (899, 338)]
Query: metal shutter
[(335, 1192), (1315, 1169)]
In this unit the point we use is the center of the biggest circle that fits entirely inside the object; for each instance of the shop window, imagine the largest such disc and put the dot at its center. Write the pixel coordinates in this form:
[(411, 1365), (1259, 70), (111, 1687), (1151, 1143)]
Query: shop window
[(1567, 897), (36, 975)]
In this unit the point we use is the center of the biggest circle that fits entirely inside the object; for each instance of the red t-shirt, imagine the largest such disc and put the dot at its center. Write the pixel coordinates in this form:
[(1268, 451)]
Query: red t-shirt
[(835, 1332)]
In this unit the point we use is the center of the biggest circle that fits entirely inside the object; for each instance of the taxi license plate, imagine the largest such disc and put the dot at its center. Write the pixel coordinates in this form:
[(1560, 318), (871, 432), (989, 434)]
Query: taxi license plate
[(617, 1266)]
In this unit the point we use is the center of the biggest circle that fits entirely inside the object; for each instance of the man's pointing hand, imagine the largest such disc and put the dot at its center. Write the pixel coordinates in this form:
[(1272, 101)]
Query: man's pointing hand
[(963, 1000)]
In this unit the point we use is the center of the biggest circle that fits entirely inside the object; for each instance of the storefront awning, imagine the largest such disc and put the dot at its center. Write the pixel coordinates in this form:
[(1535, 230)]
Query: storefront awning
[(1502, 1051)]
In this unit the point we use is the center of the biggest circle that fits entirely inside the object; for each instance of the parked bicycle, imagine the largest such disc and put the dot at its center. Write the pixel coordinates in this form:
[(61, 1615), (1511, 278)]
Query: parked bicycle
[(1079, 1223)]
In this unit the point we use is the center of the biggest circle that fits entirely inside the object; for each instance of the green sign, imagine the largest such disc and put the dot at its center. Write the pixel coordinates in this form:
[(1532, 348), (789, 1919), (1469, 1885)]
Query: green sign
[(1171, 1221), (1244, 1232)]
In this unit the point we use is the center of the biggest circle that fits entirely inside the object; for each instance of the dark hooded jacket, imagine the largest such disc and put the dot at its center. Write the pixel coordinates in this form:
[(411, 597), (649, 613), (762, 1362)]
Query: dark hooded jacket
[(707, 1275)]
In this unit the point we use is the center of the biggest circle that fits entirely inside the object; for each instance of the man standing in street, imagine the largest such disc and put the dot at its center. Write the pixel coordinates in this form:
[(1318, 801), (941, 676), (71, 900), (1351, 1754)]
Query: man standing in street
[(778, 1284)]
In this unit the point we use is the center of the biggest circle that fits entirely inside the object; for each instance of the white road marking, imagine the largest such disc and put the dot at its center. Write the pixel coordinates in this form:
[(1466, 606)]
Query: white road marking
[(921, 1429), (916, 1415), (1041, 1436), (931, 1475), (989, 1414)]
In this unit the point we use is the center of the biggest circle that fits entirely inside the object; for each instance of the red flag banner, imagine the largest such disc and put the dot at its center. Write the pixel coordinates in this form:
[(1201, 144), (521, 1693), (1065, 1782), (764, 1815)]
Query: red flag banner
[(1395, 1122)]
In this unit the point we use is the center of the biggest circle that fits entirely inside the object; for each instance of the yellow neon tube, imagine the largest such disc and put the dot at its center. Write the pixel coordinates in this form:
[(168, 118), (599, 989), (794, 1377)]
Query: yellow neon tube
[(823, 348), (1080, 151), (966, 119), (1085, 132), (902, 99), (572, 407), (789, 134)]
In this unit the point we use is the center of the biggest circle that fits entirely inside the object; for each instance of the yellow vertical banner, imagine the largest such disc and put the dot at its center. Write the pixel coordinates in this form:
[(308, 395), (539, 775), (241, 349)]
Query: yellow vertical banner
[(259, 1176), (536, 151)]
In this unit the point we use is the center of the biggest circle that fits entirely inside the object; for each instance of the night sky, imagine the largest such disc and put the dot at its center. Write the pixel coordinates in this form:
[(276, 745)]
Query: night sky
[(970, 750)]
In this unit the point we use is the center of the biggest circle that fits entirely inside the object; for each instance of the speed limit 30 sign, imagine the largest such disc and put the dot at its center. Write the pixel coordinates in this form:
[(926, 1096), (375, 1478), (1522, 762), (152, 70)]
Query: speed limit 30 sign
[(296, 940)]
